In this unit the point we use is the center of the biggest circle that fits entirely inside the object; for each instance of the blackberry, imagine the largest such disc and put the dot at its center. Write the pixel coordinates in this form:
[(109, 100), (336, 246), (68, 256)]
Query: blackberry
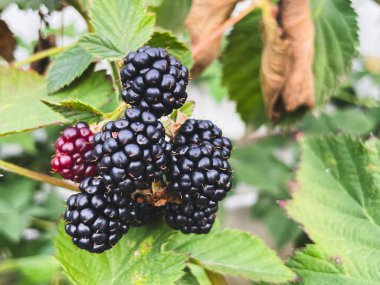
[(130, 152), (200, 178), (94, 219), (196, 131), (141, 213), (154, 80), (73, 153)]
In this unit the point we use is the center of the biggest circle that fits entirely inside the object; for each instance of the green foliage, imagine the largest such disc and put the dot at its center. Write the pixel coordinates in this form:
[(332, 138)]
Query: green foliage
[(66, 67), (25, 111), (232, 252), (241, 68), (121, 26), (339, 180), (336, 39)]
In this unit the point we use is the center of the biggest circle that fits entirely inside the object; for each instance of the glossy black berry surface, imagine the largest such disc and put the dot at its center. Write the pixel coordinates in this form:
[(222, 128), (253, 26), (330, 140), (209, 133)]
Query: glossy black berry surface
[(131, 153), (95, 220), (154, 80)]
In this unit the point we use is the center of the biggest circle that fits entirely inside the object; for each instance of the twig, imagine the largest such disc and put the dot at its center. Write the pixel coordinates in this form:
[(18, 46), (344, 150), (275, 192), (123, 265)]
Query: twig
[(198, 48), (37, 176), (255, 137), (42, 54)]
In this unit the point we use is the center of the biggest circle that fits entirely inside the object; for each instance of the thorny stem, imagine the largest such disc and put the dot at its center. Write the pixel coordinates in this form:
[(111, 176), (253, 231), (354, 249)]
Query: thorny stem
[(37, 176), (40, 55), (197, 49)]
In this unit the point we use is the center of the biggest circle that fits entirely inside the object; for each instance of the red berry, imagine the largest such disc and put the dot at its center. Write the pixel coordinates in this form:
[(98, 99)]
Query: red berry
[(73, 153)]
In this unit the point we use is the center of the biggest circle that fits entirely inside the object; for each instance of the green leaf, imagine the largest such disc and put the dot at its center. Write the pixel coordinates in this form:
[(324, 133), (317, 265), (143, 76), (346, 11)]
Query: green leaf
[(24, 140), (187, 109), (232, 252), (212, 77), (121, 26), (316, 267), (171, 15), (173, 46), (337, 203), (256, 164), (21, 108), (136, 259), (336, 39), (76, 110), (241, 68), (32, 270), (188, 279), (352, 120), (16, 207), (66, 67), (93, 89)]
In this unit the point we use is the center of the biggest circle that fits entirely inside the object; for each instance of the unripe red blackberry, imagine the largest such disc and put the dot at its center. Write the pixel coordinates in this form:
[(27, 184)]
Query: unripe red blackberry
[(94, 220), (73, 153), (198, 131), (154, 80), (130, 153)]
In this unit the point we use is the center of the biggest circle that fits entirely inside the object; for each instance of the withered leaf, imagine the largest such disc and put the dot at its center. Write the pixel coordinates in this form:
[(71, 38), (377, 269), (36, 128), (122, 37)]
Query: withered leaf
[(286, 71), (7, 42), (205, 17)]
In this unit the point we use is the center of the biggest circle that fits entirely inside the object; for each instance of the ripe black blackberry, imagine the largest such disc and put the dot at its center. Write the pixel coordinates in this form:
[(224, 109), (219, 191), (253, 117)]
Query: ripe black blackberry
[(73, 149), (154, 80), (200, 178), (141, 213), (197, 131), (93, 219), (131, 153)]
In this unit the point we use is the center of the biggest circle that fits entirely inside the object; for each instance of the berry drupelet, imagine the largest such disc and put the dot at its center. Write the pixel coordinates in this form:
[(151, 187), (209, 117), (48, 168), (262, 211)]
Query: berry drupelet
[(73, 153), (154, 80), (131, 153), (94, 220), (196, 131)]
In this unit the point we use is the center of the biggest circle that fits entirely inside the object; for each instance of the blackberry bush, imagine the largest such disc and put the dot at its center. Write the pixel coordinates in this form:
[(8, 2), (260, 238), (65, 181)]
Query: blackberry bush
[(154, 80), (131, 152), (73, 153)]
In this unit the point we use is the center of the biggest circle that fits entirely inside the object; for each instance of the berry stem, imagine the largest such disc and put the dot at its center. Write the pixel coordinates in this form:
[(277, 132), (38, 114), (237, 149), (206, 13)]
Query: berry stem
[(40, 55), (116, 79), (198, 48), (36, 175)]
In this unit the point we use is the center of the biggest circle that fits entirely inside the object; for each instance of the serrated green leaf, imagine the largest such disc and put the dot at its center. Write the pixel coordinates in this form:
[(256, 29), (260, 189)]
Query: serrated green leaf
[(316, 267), (121, 26), (21, 108), (188, 279), (136, 259), (76, 110), (187, 109), (69, 65), (337, 203), (173, 45), (241, 68), (165, 14), (336, 39), (93, 89), (232, 252)]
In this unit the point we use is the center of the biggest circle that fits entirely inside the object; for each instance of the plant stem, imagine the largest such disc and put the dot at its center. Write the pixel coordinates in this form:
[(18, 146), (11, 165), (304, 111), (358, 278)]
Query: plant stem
[(42, 54), (198, 48), (116, 79), (216, 278), (118, 112), (37, 176)]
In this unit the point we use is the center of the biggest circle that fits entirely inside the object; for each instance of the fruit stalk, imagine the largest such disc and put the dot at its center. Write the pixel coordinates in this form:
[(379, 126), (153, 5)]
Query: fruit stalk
[(37, 176)]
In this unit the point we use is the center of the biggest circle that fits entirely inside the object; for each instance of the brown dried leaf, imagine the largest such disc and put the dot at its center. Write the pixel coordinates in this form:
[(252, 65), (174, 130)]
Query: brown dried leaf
[(205, 17), (286, 72), (7, 42), (41, 65)]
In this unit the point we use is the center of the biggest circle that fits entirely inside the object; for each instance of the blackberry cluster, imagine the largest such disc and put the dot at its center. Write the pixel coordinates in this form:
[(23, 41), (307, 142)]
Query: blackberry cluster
[(131, 152), (73, 153), (154, 80), (200, 178), (94, 219)]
